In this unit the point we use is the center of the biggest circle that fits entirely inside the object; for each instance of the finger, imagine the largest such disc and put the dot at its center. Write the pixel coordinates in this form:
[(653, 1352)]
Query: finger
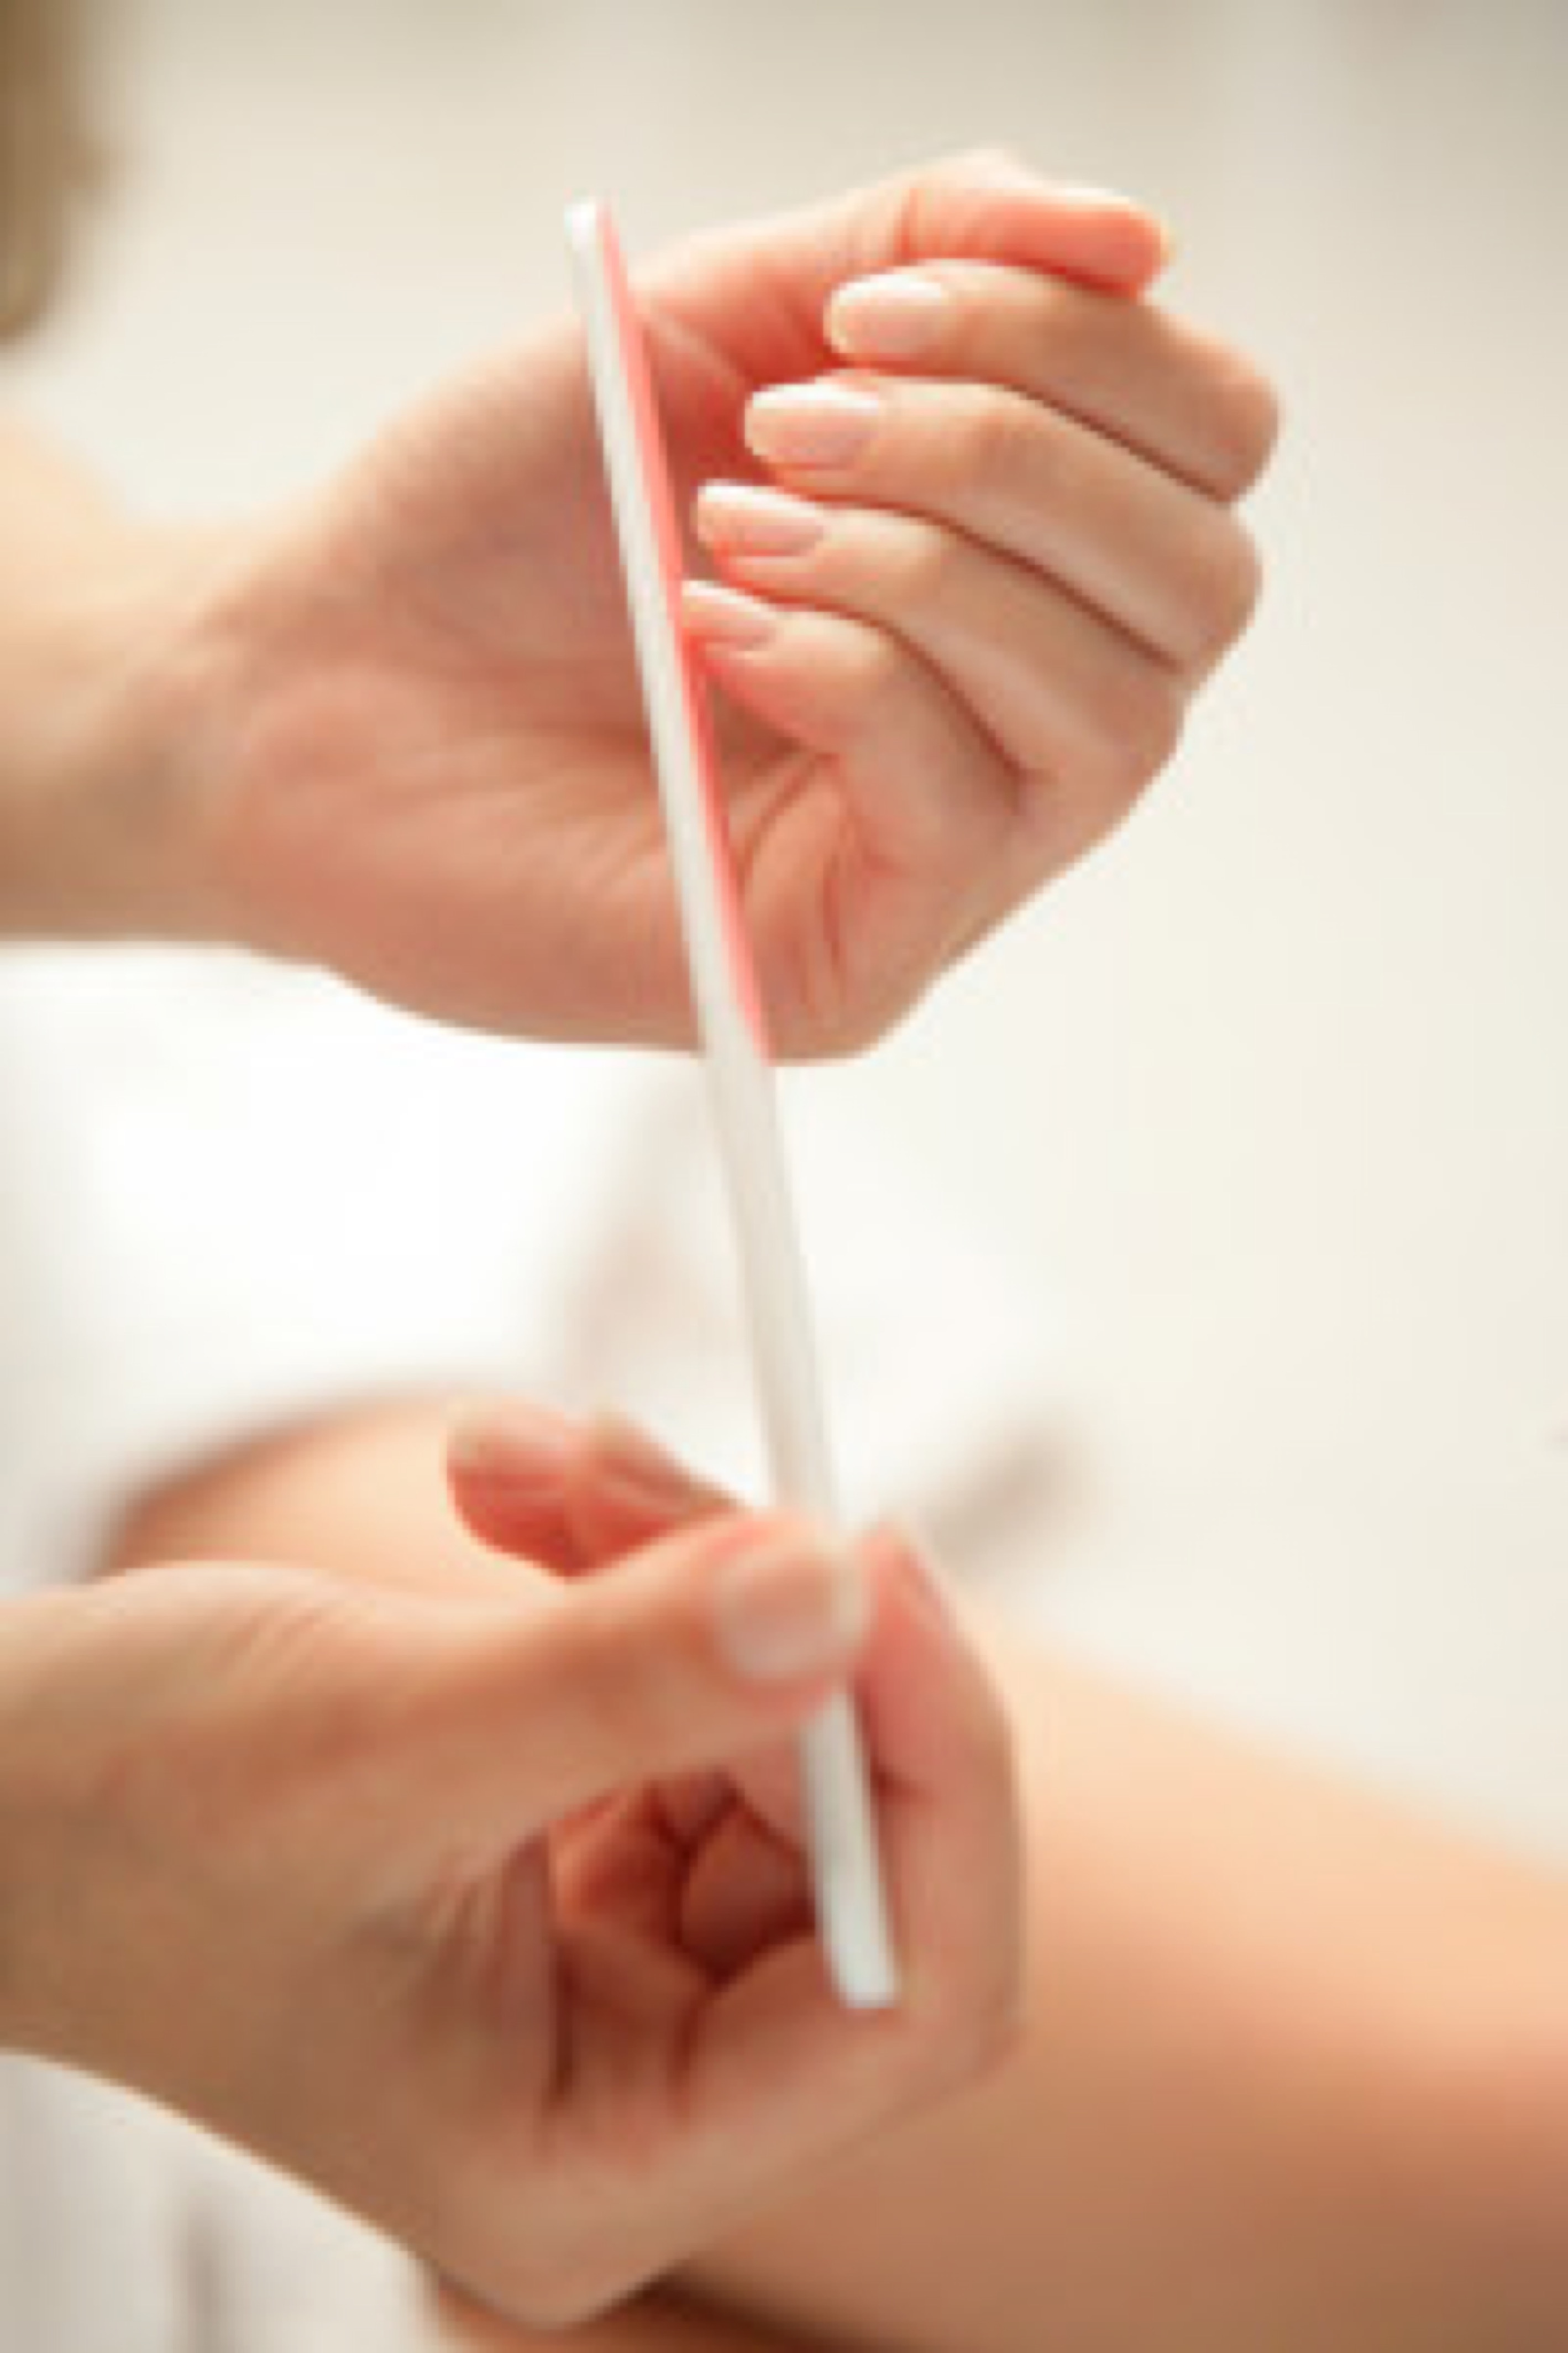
[(721, 1899), (571, 1497), (1181, 399), (982, 207), (746, 1890), (988, 206), (575, 1498), (1172, 568), (772, 2074), (933, 805), (912, 1748), (700, 1649), (775, 2048), (1075, 715)]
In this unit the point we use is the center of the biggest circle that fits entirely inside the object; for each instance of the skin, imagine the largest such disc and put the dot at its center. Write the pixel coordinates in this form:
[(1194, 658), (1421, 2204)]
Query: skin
[(479, 1902), (397, 729), (1292, 2066)]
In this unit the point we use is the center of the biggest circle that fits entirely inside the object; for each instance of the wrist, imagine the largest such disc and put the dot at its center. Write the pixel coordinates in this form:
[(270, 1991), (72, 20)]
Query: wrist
[(39, 1833), (117, 679)]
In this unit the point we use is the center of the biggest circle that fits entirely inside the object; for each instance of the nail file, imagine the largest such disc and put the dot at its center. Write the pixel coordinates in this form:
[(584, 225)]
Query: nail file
[(845, 1870)]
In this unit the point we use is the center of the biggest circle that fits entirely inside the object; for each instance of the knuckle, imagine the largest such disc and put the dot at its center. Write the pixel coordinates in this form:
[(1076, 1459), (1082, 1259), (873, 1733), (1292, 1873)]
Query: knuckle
[(1001, 2029), (986, 164), (1247, 419), (1140, 725), (1070, 325), (990, 1745), (993, 2021), (1227, 579), (972, 2031), (928, 561), (873, 667), (990, 160), (559, 2297), (564, 2271), (842, 1016), (984, 454)]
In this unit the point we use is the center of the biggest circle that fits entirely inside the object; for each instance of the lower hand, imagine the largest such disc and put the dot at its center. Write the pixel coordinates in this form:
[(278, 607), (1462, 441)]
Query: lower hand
[(488, 1913)]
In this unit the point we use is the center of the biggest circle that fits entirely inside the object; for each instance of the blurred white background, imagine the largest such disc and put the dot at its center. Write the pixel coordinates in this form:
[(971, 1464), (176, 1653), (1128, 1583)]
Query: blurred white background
[(1269, 1105)]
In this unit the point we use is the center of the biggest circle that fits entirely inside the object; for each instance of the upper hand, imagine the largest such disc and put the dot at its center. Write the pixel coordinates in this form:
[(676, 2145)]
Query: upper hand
[(419, 740), (488, 1913)]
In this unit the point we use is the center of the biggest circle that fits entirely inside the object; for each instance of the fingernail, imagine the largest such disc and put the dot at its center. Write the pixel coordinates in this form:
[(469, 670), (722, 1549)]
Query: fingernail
[(811, 424), (524, 1445), (792, 1607), (733, 516), (724, 617), (639, 1473), (889, 317), (909, 1551)]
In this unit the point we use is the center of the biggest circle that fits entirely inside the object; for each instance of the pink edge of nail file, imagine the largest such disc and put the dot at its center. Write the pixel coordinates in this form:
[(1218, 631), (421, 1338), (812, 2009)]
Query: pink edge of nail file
[(845, 1870)]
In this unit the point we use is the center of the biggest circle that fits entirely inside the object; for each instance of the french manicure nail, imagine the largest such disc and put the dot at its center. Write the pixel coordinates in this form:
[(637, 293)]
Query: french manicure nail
[(907, 1547), (523, 1444), (736, 517), (889, 317), (640, 1474), (811, 424), (725, 616), (791, 1606)]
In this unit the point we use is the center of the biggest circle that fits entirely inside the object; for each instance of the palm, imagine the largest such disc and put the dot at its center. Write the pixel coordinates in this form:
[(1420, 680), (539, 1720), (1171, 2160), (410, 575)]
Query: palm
[(447, 791), (651, 1985), (636, 1925)]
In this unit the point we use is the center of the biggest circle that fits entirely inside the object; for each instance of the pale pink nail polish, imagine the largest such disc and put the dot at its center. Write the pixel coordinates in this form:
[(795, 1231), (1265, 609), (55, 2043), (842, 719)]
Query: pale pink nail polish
[(921, 1560), (790, 1608), (889, 317), (514, 1443), (724, 616), (736, 517), (811, 424), (641, 1476)]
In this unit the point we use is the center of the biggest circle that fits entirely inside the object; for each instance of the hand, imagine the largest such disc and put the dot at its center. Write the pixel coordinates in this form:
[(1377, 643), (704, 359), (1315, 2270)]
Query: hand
[(487, 1914), (412, 712)]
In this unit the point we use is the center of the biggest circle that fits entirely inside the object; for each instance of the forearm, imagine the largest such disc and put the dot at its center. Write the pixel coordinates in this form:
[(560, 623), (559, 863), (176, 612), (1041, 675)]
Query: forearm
[(100, 686), (1296, 2074), (34, 1811)]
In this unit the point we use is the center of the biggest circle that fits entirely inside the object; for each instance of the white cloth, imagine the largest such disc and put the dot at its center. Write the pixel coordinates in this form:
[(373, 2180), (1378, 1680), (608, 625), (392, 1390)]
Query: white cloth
[(230, 1194)]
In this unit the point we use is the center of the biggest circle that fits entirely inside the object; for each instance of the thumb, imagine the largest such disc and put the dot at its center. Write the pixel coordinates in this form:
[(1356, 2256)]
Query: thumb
[(691, 1654)]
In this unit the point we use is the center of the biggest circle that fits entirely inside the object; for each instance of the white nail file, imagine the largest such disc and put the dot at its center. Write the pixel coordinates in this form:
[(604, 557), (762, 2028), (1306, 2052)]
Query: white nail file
[(846, 1869)]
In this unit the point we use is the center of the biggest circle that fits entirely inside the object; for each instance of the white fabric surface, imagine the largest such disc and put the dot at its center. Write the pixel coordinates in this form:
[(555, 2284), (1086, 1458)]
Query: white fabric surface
[(230, 1194)]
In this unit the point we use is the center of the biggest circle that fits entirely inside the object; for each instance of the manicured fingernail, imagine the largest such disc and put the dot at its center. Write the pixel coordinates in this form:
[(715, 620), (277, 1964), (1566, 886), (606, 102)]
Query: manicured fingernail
[(791, 1606), (736, 517), (909, 1550), (891, 317), (524, 1445), (724, 617), (811, 424), (640, 1475)]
